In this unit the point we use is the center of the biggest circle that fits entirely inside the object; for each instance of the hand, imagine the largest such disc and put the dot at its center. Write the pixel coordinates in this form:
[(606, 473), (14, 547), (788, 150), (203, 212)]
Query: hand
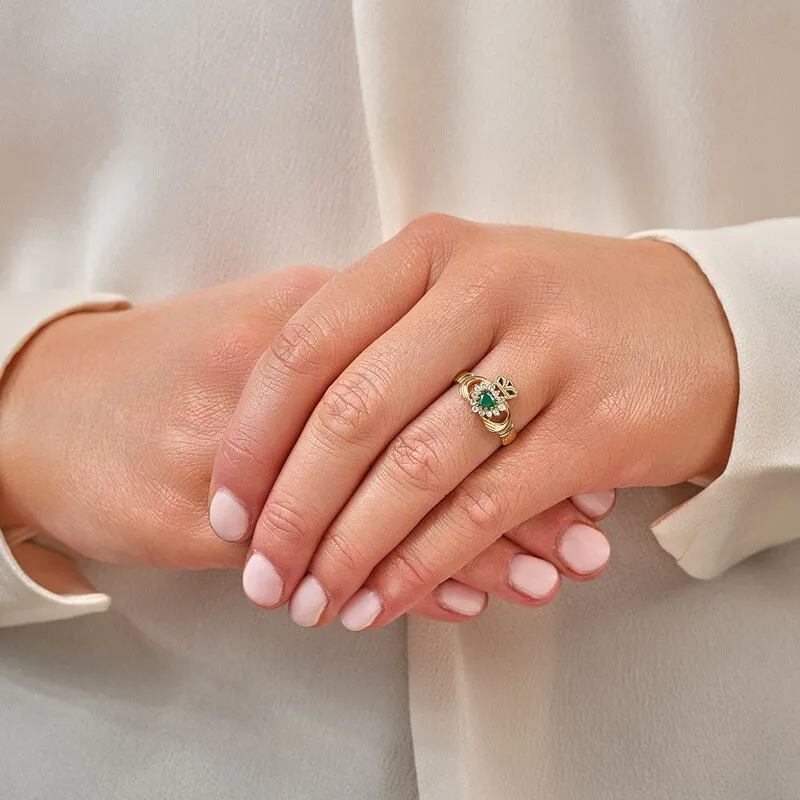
[(523, 567), (110, 422), (627, 376)]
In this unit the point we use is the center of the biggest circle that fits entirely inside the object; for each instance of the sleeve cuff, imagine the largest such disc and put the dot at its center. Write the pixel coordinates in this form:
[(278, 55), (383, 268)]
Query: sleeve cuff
[(22, 599), (755, 504)]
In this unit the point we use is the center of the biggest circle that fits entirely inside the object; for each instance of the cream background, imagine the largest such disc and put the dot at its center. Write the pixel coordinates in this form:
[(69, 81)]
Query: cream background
[(150, 149)]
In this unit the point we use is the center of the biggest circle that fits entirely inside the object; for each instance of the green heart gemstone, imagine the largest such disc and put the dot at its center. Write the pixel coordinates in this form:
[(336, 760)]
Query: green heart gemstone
[(487, 401)]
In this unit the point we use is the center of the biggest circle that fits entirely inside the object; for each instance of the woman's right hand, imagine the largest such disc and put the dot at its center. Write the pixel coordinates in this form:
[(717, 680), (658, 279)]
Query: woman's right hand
[(110, 423)]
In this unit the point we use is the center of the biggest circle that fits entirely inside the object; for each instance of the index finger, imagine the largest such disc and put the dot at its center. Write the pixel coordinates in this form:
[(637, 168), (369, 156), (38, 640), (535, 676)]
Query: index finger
[(349, 313)]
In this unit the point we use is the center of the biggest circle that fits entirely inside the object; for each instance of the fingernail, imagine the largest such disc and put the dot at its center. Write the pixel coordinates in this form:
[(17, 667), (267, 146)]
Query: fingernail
[(308, 602), (594, 505), (583, 548), (462, 599), (361, 610), (261, 582), (532, 576), (228, 517)]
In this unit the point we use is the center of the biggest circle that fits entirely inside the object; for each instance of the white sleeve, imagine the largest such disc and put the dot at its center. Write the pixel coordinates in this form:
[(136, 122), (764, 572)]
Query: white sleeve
[(22, 315), (755, 504)]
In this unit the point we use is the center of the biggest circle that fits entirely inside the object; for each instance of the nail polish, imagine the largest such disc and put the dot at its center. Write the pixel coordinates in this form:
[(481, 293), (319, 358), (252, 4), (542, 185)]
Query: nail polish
[(361, 610), (308, 602), (595, 504), (460, 598), (584, 548), (531, 576), (228, 517), (261, 581)]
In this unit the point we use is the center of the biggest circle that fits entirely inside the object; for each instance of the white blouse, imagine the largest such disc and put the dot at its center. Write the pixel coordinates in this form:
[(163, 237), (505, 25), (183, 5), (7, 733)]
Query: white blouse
[(149, 150)]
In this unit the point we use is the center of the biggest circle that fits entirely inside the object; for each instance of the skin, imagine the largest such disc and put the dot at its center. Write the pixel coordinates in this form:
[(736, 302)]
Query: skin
[(111, 422), (626, 371)]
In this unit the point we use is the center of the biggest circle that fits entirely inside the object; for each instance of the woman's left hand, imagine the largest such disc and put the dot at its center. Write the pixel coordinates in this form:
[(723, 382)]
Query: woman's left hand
[(356, 460)]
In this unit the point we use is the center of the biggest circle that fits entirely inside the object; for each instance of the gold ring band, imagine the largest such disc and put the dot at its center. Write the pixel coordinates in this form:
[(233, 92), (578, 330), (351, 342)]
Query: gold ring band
[(489, 399)]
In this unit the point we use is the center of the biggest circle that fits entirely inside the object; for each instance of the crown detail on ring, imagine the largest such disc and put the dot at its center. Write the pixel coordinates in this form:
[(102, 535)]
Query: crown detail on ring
[(507, 388)]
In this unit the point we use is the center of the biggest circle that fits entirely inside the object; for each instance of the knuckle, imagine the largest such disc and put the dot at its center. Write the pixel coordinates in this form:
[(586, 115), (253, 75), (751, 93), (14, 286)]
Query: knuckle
[(243, 448), (411, 572), (296, 286), (299, 348), (341, 551), (471, 570), (493, 279), (432, 239), (233, 351), (282, 520), (480, 505), (484, 284), (349, 410), (192, 425), (432, 226), (415, 457)]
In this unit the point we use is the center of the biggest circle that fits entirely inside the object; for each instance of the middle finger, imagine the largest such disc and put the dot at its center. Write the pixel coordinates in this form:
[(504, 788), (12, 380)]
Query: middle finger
[(381, 391), (419, 468)]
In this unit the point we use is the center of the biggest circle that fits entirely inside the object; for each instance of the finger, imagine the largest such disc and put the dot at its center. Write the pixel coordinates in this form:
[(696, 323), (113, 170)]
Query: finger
[(347, 315), (512, 573), (504, 570), (596, 505), (567, 539), (417, 470), (517, 483), (384, 388), (452, 601), (508, 569)]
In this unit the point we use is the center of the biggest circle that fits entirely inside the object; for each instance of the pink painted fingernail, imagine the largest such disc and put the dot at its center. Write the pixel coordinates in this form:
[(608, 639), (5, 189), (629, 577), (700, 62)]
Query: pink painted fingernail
[(261, 582), (532, 576), (461, 599), (594, 505), (228, 517), (308, 602), (583, 548), (361, 610)]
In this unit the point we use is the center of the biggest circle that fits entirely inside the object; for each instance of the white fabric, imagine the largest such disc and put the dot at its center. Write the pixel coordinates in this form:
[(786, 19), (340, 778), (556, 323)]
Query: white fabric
[(755, 270), (151, 151)]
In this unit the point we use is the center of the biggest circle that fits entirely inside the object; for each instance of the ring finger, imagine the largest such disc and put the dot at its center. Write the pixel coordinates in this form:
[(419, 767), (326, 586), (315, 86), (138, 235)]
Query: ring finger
[(418, 469)]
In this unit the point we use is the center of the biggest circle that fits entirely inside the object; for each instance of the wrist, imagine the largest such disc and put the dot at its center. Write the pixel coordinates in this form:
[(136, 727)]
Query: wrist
[(31, 403), (12, 436), (715, 360)]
